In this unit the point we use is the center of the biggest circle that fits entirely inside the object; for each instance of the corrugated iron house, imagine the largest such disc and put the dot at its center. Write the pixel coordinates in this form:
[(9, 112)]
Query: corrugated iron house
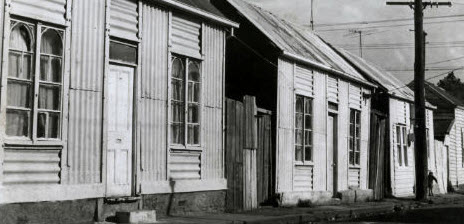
[(392, 169), (449, 131), (112, 98), (320, 113)]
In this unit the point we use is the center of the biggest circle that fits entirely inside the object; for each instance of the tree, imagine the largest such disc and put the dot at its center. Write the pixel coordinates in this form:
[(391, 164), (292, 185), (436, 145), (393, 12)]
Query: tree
[(453, 86)]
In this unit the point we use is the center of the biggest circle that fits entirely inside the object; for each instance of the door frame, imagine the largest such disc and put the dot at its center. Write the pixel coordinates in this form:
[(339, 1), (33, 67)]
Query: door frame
[(334, 114), (135, 114)]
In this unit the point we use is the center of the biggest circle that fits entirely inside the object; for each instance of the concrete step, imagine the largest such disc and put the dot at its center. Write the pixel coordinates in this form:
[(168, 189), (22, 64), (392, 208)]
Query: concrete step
[(140, 216)]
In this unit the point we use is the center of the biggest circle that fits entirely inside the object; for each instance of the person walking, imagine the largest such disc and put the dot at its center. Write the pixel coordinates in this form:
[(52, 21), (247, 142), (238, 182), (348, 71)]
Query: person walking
[(430, 179)]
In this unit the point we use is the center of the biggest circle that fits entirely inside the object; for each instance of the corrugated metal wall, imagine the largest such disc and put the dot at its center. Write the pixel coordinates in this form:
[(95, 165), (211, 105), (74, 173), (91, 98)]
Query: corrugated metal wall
[(185, 165), (354, 177), (153, 129), (402, 176), (303, 178), (213, 77), (48, 10), (22, 166), (332, 89), (459, 120), (85, 95), (124, 19), (285, 141), (355, 97), (186, 36), (304, 81)]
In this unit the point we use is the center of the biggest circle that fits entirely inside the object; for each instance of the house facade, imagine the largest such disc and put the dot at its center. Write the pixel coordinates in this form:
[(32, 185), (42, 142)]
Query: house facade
[(318, 102), (449, 132), (112, 99), (392, 144)]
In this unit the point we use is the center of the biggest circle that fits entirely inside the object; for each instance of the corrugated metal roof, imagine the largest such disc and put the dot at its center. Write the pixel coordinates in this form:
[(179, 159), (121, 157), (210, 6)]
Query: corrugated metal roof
[(294, 39), (204, 5), (378, 75), (439, 92)]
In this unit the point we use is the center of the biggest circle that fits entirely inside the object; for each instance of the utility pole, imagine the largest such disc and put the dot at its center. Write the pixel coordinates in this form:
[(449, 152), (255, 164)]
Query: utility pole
[(312, 15), (420, 143), (360, 41)]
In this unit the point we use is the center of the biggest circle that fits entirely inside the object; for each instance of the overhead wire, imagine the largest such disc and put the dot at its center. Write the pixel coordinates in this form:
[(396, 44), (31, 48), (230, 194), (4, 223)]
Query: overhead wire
[(433, 77)]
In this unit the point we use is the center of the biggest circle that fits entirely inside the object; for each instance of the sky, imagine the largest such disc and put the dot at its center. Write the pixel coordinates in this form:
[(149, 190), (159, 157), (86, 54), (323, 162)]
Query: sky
[(445, 34)]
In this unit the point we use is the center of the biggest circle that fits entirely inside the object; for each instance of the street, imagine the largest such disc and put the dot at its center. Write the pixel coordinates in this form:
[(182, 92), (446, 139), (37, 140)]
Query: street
[(442, 214)]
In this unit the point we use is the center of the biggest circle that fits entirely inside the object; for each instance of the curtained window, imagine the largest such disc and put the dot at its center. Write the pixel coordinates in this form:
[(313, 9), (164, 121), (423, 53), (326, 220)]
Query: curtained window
[(303, 129), (34, 97), (185, 101)]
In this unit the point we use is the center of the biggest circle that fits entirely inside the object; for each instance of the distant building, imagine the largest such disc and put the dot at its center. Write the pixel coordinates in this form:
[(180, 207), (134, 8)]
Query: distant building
[(449, 129), (392, 162), (319, 103)]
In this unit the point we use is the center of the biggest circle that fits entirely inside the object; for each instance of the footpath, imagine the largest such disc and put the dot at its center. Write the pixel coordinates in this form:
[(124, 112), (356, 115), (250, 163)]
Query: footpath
[(329, 213)]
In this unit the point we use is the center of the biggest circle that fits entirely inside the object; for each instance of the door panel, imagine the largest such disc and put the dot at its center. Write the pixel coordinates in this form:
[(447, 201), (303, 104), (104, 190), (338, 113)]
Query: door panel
[(120, 109), (332, 154)]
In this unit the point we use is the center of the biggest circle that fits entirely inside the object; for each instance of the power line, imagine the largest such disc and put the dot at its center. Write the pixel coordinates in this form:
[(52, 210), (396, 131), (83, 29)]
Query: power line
[(386, 26), (433, 77), (384, 21), (439, 62)]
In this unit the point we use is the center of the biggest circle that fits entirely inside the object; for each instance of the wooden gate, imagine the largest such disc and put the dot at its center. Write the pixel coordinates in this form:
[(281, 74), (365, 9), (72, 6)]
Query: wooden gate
[(377, 155), (248, 155)]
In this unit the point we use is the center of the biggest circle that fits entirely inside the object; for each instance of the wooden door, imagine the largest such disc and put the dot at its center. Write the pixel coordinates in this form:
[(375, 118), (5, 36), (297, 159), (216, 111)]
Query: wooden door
[(332, 154), (120, 109)]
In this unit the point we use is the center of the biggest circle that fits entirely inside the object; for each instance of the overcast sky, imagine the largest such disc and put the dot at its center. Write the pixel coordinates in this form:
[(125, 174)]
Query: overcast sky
[(440, 33)]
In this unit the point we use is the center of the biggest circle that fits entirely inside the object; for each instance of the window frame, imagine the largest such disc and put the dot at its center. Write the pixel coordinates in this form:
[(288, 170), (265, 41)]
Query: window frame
[(304, 130), (355, 147), (401, 144), (186, 60), (36, 30)]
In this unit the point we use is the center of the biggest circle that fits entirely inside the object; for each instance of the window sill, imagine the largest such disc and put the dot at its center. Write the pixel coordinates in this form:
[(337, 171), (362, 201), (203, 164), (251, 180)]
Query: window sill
[(307, 163), (355, 166), (18, 142), (177, 148)]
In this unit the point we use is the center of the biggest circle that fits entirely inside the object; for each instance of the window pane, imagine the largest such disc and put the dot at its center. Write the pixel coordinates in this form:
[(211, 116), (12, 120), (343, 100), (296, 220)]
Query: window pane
[(177, 133), (308, 153), (53, 125), (351, 157), (299, 137), (299, 153), (14, 63), (358, 144), (308, 106), (299, 104), (194, 134), (177, 112), (41, 125), (56, 72), (299, 121), (194, 72), (398, 135), (44, 68), (20, 39), (357, 158), (49, 97), (358, 131), (400, 156), (351, 144), (17, 123), (51, 43), (177, 69), (351, 130), (308, 122), (406, 155), (352, 116), (308, 138), (193, 115), (358, 117), (19, 94), (177, 90), (194, 92)]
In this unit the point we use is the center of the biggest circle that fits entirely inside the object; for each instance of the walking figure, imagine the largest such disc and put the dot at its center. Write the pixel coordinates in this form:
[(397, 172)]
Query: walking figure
[(430, 180)]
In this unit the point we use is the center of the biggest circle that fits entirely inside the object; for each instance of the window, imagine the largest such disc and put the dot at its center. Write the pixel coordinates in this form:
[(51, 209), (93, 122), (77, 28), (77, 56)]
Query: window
[(34, 96), (303, 129), (462, 147), (185, 101), (402, 145), (355, 137)]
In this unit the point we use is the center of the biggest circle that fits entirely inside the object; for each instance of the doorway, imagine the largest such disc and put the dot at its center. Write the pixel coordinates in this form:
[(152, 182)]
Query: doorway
[(120, 122), (332, 151)]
